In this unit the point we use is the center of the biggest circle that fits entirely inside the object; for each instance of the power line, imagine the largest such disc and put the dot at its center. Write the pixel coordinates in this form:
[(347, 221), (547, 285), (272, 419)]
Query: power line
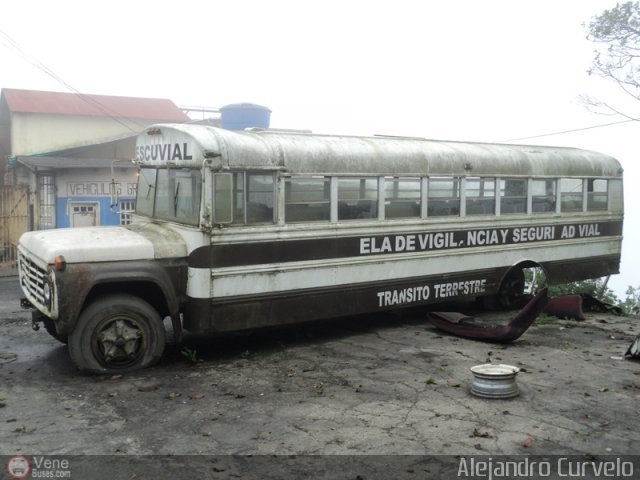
[(570, 131), (10, 43)]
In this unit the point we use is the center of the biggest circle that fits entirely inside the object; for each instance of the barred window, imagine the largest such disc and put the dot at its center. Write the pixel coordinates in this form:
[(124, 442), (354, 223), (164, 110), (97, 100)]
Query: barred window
[(47, 197), (127, 207)]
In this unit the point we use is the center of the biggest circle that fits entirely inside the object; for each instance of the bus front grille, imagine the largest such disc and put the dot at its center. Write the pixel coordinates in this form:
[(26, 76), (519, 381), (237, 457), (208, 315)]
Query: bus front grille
[(32, 278)]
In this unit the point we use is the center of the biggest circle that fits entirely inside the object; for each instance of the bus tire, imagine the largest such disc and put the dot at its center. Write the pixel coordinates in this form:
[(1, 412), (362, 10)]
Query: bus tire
[(50, 327), (117, 333), (511, 293)]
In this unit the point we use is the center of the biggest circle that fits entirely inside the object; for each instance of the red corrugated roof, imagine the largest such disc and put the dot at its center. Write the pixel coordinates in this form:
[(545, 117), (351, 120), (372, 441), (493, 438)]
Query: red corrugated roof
[(35, 101)]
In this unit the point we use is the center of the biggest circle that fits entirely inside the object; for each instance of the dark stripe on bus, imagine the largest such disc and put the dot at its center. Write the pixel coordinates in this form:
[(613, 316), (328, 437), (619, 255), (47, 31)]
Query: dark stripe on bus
[(280, 308), (285, 251)]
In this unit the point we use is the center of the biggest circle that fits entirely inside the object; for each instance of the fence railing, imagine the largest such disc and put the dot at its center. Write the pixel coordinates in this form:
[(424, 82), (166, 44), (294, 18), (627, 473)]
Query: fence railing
[(14, 221)]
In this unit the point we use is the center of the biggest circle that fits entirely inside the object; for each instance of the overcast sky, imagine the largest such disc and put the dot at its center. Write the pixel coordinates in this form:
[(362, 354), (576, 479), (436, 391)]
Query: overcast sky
[(490, 70)]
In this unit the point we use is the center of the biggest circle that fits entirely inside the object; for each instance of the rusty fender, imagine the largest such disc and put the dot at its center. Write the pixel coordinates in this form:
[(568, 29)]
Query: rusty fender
[(78, 282)]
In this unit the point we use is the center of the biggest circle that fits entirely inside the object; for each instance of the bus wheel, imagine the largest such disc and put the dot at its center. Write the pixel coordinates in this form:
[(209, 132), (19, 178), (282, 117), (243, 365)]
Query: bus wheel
[(117, 333), (511, 293)]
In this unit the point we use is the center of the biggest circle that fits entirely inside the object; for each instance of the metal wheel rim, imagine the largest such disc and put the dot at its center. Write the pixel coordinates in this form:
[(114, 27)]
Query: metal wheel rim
[(119, 342)]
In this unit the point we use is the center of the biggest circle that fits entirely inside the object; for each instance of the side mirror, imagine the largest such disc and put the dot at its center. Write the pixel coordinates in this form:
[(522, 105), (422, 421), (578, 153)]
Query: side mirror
[(222, 198)]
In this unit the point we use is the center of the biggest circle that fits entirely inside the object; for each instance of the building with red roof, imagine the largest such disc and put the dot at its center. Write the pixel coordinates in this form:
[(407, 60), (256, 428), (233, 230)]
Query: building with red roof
[(70, 152)]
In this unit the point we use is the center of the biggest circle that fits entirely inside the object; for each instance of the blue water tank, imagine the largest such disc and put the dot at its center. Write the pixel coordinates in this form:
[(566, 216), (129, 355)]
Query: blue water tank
[(238, 116)]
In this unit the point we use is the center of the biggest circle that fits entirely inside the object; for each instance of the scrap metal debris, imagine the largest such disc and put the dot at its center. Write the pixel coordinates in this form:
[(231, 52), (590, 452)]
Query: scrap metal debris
[(573, 306), (634, 349), (472, 327), (566, 306)]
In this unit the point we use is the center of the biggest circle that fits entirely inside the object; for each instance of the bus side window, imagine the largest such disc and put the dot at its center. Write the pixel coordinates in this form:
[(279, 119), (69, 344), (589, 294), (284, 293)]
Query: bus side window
[(597, 194), (357, 198), (480, 194), (260, 198), (443, 196), (543, 196), (222, 198), (571, 194), (513, 196), (307, 199), (253, 198), (402, 197)]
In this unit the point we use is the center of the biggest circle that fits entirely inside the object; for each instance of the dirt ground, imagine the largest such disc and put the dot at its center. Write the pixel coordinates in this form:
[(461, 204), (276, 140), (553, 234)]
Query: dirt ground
[(387, 384)]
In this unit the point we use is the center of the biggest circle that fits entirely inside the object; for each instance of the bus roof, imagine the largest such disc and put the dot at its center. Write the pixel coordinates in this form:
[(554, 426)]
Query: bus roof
[(184, 145)]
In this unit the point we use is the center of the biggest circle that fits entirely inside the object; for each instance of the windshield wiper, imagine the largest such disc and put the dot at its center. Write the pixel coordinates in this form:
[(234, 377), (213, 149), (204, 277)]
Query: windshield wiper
[(175, 200)]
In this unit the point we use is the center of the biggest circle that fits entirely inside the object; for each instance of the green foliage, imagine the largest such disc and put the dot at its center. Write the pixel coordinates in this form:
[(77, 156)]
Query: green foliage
[(630, 303), (617, 57), (594, 287), (619, 26), (545, 319)]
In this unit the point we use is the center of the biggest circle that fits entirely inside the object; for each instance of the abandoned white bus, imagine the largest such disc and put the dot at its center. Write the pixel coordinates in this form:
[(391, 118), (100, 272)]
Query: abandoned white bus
[(240, 230)]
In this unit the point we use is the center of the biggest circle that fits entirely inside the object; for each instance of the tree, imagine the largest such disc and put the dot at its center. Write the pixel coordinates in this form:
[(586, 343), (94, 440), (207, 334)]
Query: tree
[(618, 56)]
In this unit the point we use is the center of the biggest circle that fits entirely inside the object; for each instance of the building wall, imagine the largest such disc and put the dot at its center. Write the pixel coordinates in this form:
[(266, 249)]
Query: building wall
[(51, 190), (91, 187), (5, 141), (35, 133)]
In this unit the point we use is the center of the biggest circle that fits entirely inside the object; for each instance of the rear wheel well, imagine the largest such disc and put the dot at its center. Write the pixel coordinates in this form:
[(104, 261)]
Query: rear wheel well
[(518, 283), (147, 291), (534, 273)]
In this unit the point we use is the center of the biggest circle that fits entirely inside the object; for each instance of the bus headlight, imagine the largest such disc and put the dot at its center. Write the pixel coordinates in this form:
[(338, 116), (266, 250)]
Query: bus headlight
[(48, 288), (46, 292)]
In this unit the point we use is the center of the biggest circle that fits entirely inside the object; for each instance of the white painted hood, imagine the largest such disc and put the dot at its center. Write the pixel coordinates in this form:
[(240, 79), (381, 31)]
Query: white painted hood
[(103, 244)]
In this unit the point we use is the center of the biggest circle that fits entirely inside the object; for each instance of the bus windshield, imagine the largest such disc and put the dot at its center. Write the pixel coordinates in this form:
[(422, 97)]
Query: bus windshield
[(170, 194)]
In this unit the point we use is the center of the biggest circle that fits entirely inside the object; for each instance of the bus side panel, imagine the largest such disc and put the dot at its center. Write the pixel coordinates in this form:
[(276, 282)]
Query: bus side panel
[(577, 270), (248, 312)]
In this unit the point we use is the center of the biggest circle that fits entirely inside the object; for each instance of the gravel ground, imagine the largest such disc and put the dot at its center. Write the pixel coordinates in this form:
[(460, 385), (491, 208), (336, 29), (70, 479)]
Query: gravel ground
[(387, 384)]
